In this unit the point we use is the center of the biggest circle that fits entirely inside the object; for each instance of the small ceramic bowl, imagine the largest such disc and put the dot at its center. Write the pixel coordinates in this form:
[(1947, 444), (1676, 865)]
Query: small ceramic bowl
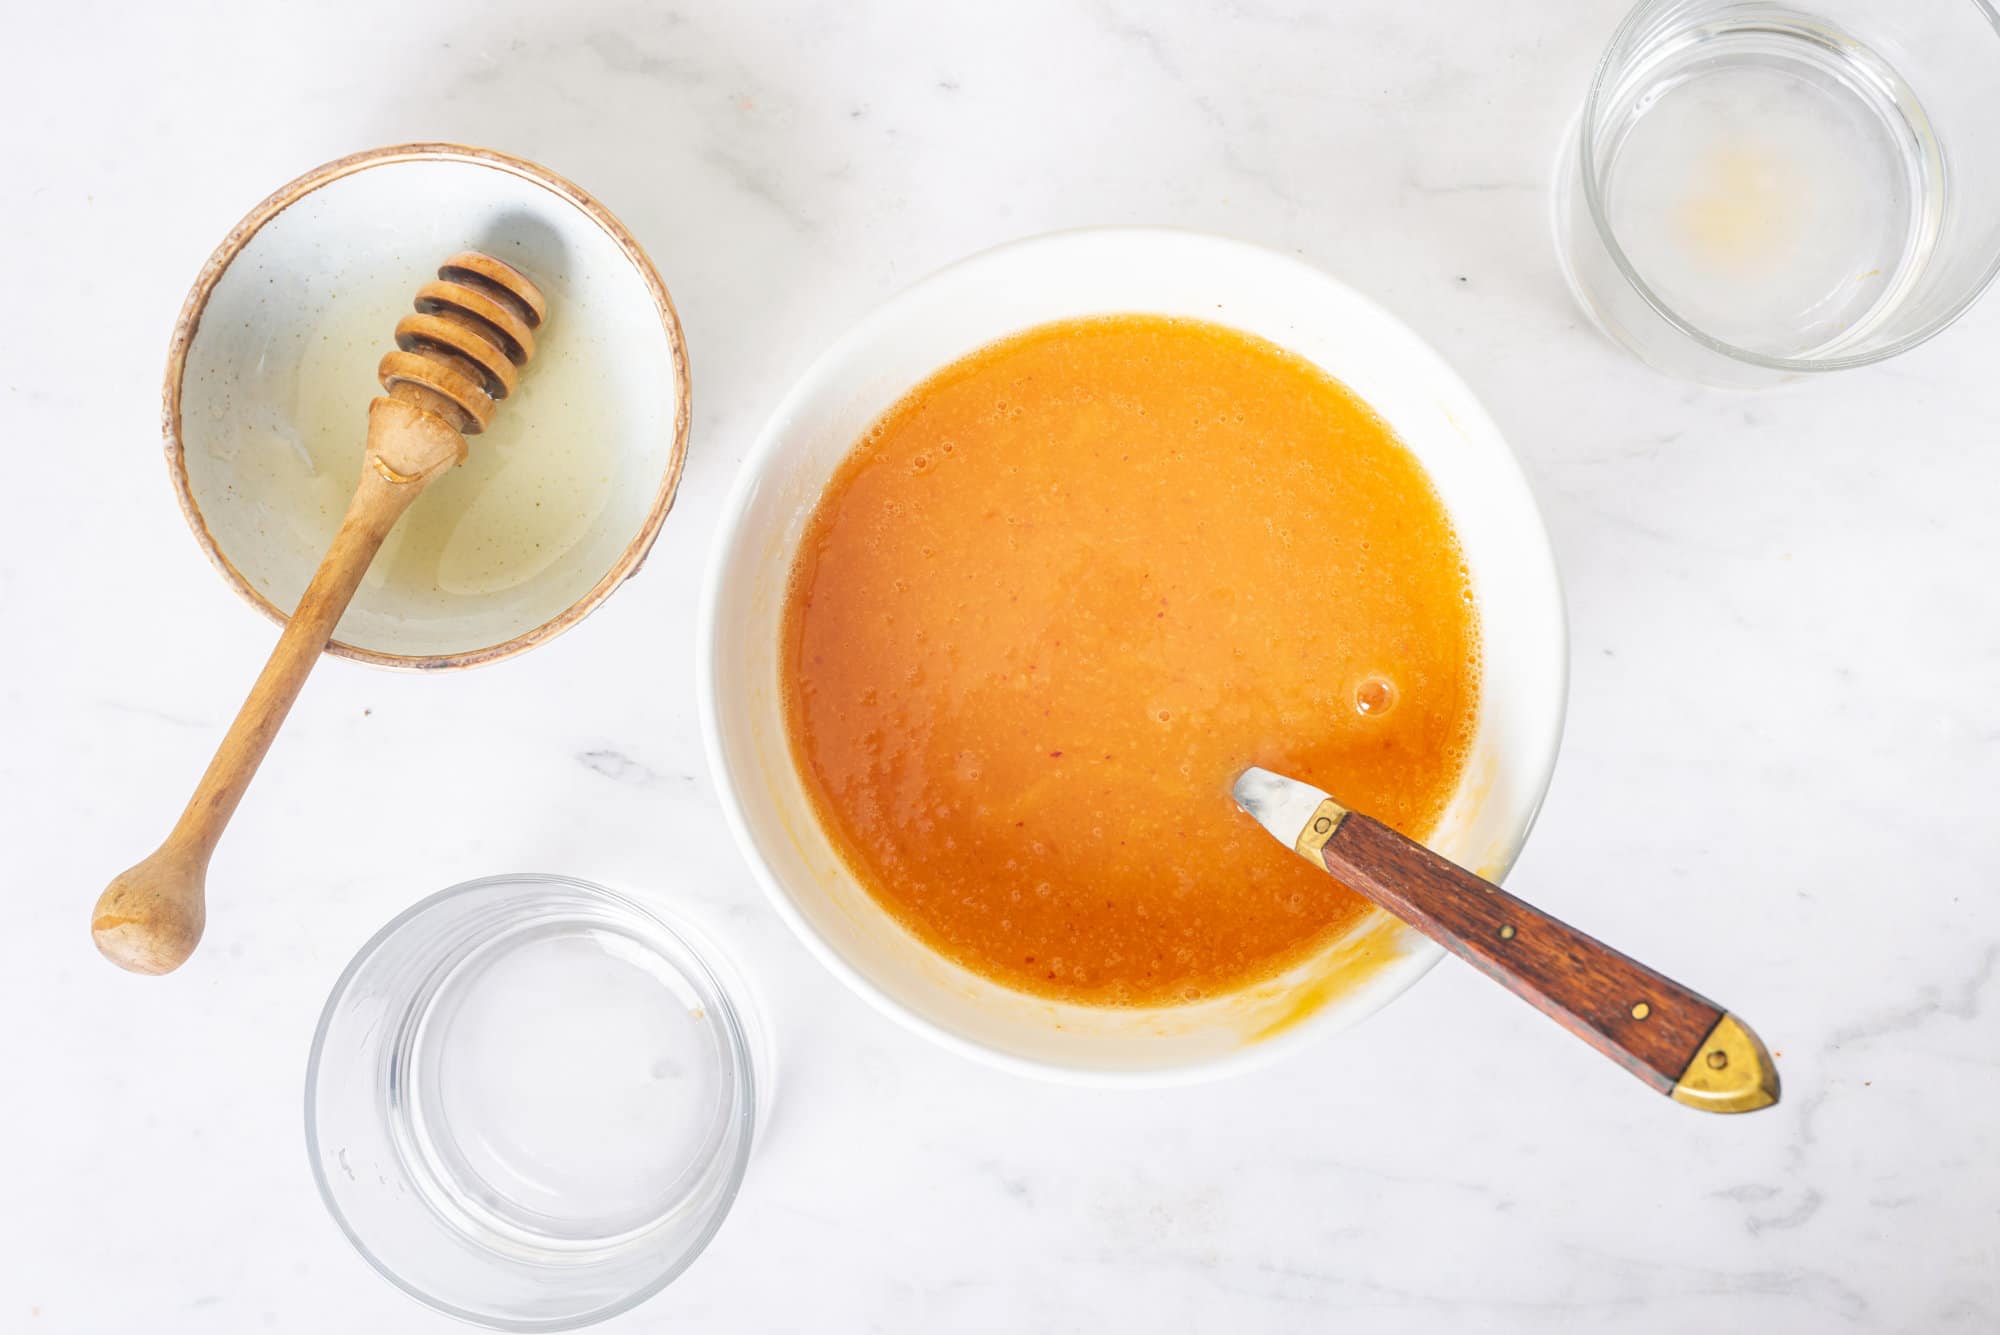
[(273, 364), (972, 304)]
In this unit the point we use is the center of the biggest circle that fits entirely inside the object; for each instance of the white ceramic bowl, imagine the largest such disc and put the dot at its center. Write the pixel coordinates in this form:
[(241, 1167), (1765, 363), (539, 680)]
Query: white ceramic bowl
[(964, 308), (277, 346)]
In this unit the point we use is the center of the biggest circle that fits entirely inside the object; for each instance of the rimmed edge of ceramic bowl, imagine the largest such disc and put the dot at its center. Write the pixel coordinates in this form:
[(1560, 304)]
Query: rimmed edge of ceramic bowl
[(1418, 954), (188, 324)]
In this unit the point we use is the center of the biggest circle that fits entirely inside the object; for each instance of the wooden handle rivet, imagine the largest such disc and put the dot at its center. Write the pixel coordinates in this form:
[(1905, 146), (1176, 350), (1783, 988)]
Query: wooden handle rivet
[(1717, 1060), (1507, 933), (1641, 1011)]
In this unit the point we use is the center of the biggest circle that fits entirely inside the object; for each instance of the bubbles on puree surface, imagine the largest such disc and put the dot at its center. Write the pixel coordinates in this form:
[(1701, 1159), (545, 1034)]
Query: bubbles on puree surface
[(1375, 696)]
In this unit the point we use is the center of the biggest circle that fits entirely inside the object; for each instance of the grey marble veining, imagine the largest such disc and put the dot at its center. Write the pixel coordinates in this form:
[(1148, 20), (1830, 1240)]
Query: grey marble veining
[(1777, 782)]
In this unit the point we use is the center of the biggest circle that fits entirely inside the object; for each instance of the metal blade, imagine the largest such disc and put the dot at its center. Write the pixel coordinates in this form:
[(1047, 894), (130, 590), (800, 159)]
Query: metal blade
[(1281, 805)]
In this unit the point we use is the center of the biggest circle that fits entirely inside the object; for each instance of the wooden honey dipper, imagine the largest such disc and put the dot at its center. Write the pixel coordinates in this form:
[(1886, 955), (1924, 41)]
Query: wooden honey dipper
[(456, 358)]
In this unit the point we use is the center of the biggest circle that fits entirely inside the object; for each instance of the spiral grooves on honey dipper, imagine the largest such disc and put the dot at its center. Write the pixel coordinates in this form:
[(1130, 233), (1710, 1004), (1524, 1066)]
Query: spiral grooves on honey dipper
[(460, 353)]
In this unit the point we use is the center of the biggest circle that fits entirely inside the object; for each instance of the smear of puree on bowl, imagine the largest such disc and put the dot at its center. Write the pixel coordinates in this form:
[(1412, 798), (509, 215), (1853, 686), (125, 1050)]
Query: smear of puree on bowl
[(1055, 601)]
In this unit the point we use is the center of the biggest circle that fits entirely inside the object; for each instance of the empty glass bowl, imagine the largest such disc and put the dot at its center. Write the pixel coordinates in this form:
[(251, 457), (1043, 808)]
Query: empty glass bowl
[(1755, 190), (530, 1102)]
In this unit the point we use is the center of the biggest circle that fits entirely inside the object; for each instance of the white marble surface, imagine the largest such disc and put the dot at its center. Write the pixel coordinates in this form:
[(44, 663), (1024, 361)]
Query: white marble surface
[(1783, 748)]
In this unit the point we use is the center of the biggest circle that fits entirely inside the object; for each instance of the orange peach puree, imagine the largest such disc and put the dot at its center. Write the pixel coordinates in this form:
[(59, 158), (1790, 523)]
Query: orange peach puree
[(1062, 594)]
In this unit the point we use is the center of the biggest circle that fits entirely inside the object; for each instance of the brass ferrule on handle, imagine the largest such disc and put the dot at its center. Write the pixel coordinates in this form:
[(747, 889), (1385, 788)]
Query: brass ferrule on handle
[(1325, 823)]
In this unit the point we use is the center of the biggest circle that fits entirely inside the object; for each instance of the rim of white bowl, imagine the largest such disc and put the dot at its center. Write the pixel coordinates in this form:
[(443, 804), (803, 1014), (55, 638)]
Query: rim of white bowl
[(188, 324), (1417, 954)]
